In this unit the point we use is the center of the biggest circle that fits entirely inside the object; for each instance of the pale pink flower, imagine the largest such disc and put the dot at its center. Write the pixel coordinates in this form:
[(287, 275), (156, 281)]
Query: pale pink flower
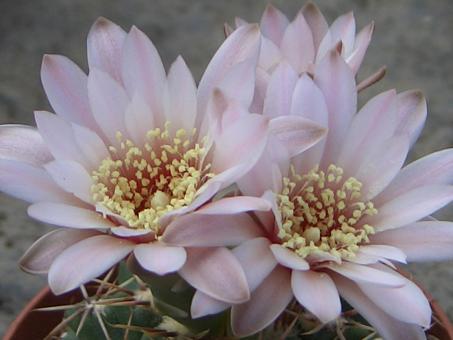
[(344, 211), (133, 152), (304, 42)]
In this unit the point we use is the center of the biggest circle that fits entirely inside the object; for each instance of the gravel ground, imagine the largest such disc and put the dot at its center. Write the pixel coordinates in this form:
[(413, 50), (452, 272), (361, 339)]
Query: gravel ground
[(412, 37)]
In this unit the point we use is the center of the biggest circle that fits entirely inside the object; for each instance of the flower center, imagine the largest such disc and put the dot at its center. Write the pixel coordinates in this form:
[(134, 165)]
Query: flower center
[(322, 212), (141, 184)]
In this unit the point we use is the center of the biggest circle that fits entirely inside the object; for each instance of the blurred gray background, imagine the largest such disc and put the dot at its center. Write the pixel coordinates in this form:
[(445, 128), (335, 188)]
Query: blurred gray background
[(412, 37)]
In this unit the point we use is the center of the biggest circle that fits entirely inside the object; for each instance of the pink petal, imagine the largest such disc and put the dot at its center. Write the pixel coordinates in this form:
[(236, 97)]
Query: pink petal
[(420, 241), (241, 143), (68, 216), (406, 303), (360, 46), (85, 261), (59, 137), (138, 120), (279, 91), (39, 257), (435, 168), (342, 29), (108, 101), (387, 327), (288, 258), (297, 134), (203, 305), (297, 44), (374, 124), (384, 251), (159, 258), (143, 72), (308, 102), (270, 56), (239, 82), (91, 145), (66, 88), (412, 113), (242, 44), (336, 81), (411, 206), (30, 183), (234, 205), (316, 22), (104, 45), (273, 24), (381, 165), (126, 232), (256, 259), (217, 273), (200, 230), (71, 177), (366, 274), (251, 317), (182, 97), (316, 292), (23, 143)]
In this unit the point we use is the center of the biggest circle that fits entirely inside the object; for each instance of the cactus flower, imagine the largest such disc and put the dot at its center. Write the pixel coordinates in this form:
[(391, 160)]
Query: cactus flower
[(344, 212), (133, 151)]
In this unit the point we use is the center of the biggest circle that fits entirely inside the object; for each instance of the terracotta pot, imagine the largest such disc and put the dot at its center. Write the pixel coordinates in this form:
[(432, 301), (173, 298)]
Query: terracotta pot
[(32, 324)]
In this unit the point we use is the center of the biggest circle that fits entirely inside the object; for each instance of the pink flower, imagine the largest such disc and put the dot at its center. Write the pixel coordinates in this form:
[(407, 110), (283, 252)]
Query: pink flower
[(132, 153), (344, 211), (304, 41)]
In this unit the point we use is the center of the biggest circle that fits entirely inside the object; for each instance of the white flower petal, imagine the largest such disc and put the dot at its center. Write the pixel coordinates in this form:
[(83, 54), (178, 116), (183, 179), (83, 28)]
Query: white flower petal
[(108, 101), (412, 112), (308, 102), (200, 230), (316, 21), (143, 72), (257, 313), (420, 241), (296, 134), (288, 258), (256, 259), (435, 168), (71, 177), (365, 274), (297, 44), (203, 305), (182, 97), (68, 216), (242, 44), (387, 327), (30, 183), (217, 273), (279, 91), (336, 81), (411, 206), (39, 257), (361, 43), (23, 143), (104, 46), (85, 261), (316, 292), (159, 258), (59, 137), (66, 88), (273, 24), (406, 303)]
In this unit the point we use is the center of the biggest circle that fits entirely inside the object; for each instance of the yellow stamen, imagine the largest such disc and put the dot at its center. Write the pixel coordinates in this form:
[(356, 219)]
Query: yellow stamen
[(141, 184), (322, 211)]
